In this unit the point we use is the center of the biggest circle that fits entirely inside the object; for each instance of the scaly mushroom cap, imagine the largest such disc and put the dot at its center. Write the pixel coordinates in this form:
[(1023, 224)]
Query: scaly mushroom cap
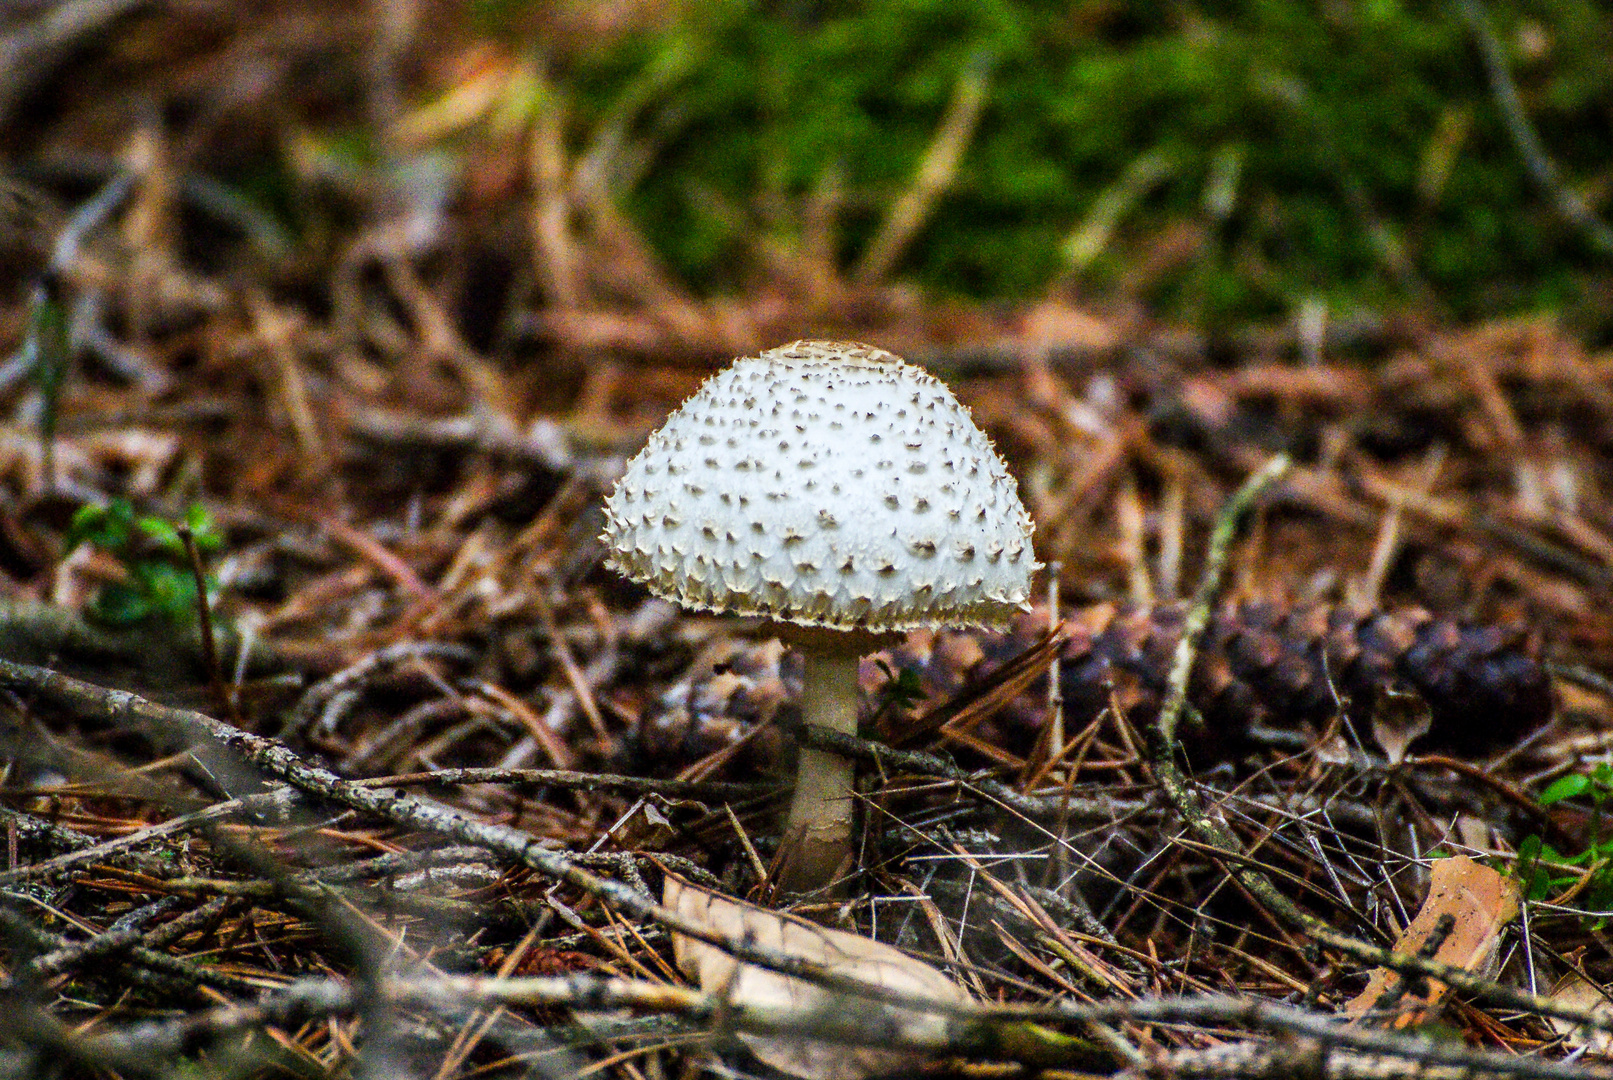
[(826, 484)]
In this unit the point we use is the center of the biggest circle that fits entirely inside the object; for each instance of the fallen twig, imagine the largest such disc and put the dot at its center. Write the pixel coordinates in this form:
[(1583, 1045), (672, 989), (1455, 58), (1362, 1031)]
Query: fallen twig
[(1208, 831)]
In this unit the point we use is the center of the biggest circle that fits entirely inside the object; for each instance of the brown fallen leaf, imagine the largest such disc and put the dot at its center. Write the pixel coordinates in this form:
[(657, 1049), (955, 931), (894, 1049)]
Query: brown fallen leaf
[(860, 958), (1479, 902), (1574, 991)]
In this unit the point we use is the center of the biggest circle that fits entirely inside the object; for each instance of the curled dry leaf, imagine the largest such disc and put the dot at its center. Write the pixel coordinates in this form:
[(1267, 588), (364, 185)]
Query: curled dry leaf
[(903, 1032), (1400, 717), (1479, 901)]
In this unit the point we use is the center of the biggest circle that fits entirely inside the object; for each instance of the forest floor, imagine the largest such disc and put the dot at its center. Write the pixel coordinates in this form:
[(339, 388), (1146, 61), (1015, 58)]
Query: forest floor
[(425, 790)]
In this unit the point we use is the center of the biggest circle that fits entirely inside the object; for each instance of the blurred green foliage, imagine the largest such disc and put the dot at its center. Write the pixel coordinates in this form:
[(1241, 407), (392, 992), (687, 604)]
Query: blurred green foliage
[(1248, 154), (159, 580), (1547, 873)]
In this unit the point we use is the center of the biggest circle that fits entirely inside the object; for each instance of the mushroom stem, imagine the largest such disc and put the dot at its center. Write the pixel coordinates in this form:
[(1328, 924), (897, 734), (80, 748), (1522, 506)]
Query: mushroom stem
[(817, 836)]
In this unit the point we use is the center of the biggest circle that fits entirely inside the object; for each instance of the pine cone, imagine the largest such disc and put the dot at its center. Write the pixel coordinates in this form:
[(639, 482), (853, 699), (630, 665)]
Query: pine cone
[(1267, 665)]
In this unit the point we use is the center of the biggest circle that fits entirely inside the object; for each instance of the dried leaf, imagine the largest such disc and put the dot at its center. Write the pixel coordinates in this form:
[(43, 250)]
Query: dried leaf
[(860, 958), (1400, 717), (1479, 901), (1574, 991)]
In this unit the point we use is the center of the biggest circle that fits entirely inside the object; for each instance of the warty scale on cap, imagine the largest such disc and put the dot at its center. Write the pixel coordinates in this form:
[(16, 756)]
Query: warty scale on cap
[(825, 484)]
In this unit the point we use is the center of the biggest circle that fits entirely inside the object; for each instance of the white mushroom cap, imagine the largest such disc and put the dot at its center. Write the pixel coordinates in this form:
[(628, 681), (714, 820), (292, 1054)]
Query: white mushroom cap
[(825, 484)]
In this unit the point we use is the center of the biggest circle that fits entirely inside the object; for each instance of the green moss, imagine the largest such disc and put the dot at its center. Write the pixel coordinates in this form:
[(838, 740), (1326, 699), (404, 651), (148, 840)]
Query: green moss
[(747, 108)]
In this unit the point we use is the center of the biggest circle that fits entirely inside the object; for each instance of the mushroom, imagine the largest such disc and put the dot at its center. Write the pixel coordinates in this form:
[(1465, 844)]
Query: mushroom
[(845, 496)]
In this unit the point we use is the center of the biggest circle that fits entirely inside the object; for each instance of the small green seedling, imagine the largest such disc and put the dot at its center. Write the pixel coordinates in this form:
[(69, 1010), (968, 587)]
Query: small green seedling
[(1546, 872), (901, 690), (159, 580)]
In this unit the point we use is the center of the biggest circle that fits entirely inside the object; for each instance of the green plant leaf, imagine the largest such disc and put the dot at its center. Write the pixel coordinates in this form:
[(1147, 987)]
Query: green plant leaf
[(84, 528), (121, 604), (203, 530), (107, 527), (170, 589), (1565, 787), (903, 687), (164, 533), (1536, 879), (1529, 848)]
